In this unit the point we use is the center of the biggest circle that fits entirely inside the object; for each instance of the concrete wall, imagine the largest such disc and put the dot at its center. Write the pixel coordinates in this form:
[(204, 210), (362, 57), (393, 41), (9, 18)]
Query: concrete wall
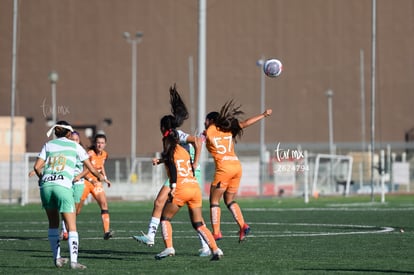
[(19, 138)]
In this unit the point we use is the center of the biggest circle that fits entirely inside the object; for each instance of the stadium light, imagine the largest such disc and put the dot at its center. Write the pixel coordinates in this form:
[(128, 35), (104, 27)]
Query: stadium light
[(134, 41)]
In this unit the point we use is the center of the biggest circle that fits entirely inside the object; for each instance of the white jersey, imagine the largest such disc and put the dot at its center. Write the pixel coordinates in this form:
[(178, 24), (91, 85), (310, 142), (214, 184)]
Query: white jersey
[(78, 170), (61, 156), (182, 137)]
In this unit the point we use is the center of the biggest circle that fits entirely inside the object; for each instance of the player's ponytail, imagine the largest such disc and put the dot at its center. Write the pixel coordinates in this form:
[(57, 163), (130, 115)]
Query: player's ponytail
[(227, 120), (170, 140), (178, 108)]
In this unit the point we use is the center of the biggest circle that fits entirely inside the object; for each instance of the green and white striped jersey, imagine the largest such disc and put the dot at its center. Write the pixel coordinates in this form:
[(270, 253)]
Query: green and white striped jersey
[(61, 156)]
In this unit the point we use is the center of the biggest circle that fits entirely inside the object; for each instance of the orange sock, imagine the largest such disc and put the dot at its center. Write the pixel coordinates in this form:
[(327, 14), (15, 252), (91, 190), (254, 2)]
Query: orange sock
[(105, 220), (167, 233), (236, 212), (215, 216), (208, 237)]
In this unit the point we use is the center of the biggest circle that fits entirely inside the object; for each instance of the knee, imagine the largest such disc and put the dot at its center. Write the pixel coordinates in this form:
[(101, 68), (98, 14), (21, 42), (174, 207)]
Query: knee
[(230, 204), (158, 204), (103, 204), (196, 225), (164, 218)]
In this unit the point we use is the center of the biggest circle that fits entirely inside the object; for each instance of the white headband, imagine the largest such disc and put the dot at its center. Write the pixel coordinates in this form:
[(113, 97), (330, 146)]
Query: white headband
[(68, 127)]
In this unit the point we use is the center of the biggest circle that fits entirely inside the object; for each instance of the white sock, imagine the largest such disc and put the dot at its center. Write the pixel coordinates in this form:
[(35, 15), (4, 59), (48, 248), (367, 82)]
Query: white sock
[(53, 236), (64, 226), (73, 246), (153, 227), (203, 243)]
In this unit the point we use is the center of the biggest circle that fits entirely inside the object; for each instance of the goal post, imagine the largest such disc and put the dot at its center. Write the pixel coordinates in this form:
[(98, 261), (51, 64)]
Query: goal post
[(28, 183), (337, 159)]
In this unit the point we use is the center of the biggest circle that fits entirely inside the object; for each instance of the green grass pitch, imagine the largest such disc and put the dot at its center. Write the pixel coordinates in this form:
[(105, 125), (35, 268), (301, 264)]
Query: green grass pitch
[(330, 235)]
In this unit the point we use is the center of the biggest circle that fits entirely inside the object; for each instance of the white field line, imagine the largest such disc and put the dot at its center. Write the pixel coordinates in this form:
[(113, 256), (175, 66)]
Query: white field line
[(355, 230)]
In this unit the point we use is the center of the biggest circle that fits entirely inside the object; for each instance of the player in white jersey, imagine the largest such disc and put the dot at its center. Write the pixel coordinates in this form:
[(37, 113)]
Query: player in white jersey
[(55, 167)]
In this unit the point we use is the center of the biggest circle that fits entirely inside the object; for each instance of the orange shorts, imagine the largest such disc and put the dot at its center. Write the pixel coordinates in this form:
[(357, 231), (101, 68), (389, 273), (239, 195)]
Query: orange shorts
[(190, 196), (228, 177), (93, 189)]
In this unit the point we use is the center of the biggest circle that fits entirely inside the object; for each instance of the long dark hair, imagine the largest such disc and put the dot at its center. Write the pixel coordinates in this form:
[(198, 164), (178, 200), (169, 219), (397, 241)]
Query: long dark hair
[(178, 109), (169, 123), (170, 141), (227, 120)]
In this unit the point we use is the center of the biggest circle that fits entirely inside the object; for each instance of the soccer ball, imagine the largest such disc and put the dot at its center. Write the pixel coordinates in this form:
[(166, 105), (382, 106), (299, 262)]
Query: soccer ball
[(272, 67)]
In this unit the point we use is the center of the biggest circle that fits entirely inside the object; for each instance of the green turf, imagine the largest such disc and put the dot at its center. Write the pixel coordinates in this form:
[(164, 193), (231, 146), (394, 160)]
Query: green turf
[(334, 235)]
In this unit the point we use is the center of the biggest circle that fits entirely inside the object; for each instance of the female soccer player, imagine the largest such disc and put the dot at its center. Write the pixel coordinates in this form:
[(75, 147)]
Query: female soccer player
[(97, 156), (78, 184), (184, 191), (193, 146), (55, 167), (221, 134)]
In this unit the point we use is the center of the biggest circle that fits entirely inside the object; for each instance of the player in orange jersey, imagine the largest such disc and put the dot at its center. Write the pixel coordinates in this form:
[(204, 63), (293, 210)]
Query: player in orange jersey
[(97, 156), (185, 190), (222, 129), (179, 115)]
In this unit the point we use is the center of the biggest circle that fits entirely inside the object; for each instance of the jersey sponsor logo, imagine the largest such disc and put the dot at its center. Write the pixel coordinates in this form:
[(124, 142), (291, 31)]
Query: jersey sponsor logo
[(230, 158), (54, 178), (189, 180)]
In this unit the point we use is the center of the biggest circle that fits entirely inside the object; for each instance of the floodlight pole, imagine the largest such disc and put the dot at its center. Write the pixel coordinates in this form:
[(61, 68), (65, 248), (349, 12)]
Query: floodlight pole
[(13, 95), (262, 161), (134, 42), (329, 95), (373, 60)]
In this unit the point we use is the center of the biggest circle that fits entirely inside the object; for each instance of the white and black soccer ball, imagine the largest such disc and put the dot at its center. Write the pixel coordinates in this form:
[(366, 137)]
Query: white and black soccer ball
[(272, 67)]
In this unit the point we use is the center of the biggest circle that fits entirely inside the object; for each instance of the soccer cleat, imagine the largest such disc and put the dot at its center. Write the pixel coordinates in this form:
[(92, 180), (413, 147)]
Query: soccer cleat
[(145, 239), (217, 255), (170, 251), (204, 252), (59, 262), (218, 236), (76, 265), (244, 232), (108, 235)]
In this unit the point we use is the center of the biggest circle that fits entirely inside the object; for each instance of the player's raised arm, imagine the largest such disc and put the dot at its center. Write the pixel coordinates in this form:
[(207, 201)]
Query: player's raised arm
[(254, 119)]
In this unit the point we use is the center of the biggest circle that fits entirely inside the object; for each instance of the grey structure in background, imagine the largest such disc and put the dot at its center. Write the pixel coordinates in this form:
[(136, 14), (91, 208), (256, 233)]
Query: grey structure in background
[(319, 42), (134, 41)]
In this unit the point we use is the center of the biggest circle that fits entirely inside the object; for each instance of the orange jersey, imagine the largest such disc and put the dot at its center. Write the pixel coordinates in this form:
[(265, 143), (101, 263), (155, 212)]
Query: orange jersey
[(228, 168), (221, 147), (98, 161), (181, 172)]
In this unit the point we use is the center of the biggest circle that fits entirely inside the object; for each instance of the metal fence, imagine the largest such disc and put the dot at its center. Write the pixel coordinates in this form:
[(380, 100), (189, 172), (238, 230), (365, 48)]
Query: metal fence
[(287, 170)]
